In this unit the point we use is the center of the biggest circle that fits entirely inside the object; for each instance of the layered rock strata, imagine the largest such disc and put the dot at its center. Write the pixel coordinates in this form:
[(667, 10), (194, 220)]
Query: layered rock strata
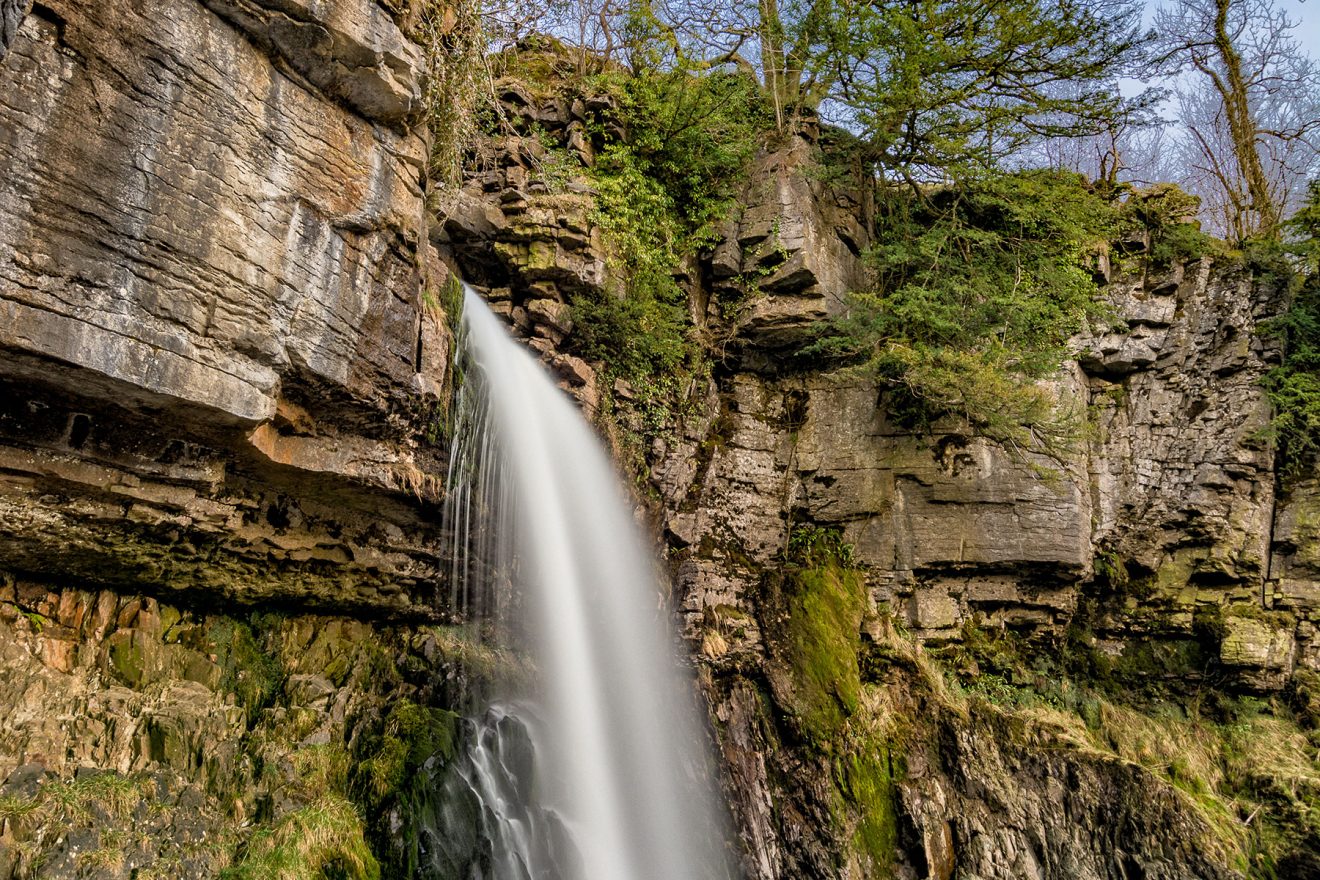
[(217, 361), (1157, 535), (220, 426)]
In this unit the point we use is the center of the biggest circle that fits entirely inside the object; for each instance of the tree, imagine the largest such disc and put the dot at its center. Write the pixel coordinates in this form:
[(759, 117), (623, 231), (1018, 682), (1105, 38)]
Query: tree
[(1250, 113), (940, 86), (1294, 385), (930, 86)]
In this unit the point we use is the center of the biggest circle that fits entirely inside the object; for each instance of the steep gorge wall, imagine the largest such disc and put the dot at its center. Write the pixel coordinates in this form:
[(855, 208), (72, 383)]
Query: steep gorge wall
[(221, 383), (219, 389), (216, 358), (1157, 541)]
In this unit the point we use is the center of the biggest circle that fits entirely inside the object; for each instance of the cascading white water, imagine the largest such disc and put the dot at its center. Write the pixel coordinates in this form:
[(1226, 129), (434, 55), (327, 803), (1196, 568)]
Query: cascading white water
[(620, 759)]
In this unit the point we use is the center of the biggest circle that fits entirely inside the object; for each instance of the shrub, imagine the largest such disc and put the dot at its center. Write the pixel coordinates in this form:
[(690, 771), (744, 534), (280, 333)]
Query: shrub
[(979, 285), (661, 190), (1293, 386)]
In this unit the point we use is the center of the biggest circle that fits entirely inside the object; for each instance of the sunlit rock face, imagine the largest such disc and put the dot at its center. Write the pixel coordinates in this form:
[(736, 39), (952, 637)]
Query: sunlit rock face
[(1158, 530), (212, 218)]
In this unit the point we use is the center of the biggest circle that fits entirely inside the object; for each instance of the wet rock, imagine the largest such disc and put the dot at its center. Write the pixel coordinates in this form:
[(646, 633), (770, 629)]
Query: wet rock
[(11, 16)]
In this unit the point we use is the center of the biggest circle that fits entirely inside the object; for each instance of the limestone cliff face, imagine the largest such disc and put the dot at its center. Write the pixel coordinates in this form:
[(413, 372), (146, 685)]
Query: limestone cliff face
[(216, 356), (219, 384), (220, 390), (1158, 536)]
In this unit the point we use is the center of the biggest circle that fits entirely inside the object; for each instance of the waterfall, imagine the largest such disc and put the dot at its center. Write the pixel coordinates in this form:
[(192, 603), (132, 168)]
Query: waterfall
[(602, 773)]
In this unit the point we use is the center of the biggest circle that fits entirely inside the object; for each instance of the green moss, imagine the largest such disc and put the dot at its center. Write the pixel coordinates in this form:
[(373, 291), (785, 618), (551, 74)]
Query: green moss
[(818, 641), (1175, 659), (169, 618), (411, 734), (248, 669), (865, 778), (1173, 575), (125, 654), (1111, 569), (1244, 766)]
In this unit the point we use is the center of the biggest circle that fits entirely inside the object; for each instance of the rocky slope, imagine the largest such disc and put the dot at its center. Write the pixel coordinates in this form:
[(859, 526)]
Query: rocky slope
[(221, 435), (218, 378)]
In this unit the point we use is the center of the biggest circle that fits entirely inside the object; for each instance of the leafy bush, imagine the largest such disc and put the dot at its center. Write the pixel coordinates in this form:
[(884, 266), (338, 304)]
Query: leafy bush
[(1294, 386), (660, 191), (979, 286), (644, 331), (1165, 214)]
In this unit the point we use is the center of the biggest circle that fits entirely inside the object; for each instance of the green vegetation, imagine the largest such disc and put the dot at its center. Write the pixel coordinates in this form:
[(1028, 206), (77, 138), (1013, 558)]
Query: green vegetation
[(928, 86), (1247, 766), (322, 840), (643, 332), (454, 38), (250, 671), (815, 626), (1294, 386), (813, 546), (820, 645), (77, 800), (411, 734), (1165, 214), (864, 776), (979, 286), (660, 193)]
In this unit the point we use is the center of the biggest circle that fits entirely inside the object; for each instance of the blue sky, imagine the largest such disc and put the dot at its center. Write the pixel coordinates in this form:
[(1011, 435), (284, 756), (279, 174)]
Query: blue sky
[(1308, 33)]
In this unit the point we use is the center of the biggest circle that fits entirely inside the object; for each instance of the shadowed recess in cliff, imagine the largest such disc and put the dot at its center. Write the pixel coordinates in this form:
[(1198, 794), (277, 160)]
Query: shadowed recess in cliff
[(603, 772)]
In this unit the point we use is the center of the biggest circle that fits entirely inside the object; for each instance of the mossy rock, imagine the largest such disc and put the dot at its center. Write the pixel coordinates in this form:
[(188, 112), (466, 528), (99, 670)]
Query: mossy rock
[(812, 622), (865, 775), (124, 655), (249, 669), (411, 734)]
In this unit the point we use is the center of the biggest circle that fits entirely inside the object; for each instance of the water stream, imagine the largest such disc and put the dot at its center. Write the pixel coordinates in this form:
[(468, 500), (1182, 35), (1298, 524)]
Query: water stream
[(603, 774)]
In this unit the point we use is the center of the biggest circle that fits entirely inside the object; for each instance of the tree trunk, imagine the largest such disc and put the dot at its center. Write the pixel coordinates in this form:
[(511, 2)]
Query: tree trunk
[(1242, 128)]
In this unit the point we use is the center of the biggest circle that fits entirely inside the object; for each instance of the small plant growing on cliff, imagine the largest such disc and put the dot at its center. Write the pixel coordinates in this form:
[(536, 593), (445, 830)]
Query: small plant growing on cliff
[(454, 38), (323, 839), (1294, 385), (979, 286), (817, 545)]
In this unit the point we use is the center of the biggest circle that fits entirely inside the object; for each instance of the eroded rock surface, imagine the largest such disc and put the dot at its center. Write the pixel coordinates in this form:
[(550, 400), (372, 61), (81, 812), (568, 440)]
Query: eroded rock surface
[(144, 739), (216, 359), (220, 385)]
